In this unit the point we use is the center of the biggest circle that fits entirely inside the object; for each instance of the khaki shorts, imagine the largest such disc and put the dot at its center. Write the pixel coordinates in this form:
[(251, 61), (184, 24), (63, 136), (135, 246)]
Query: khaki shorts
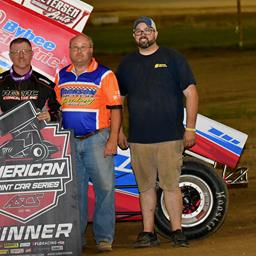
[(162, 160)]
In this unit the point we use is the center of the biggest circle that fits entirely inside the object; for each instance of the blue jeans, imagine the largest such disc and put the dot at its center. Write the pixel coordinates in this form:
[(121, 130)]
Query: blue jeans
[(90, 163)]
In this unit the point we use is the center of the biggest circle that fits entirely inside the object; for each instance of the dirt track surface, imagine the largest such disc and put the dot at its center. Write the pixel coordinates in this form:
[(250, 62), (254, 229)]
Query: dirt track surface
[(235, 238), (225, 80)]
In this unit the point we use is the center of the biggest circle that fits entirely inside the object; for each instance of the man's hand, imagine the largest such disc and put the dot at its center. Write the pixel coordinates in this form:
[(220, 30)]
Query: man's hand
[(191, 113), (189, 138), (122, 140), (44, 115), (110, 148)]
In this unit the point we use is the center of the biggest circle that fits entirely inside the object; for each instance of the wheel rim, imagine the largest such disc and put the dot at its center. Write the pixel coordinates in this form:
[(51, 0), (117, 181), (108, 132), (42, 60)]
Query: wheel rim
[(39, 151), (197, 200)]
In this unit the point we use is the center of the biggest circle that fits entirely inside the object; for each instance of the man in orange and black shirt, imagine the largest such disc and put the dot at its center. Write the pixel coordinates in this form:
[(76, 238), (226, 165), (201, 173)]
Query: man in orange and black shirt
[(91, 105)]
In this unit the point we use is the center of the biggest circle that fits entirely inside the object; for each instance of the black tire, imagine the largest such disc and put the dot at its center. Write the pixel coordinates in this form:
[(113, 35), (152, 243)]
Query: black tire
[(39, 152), (205, 201)]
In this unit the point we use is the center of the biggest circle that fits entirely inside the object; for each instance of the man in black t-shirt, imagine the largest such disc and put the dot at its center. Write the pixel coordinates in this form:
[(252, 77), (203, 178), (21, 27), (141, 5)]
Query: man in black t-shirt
[(155, 80)]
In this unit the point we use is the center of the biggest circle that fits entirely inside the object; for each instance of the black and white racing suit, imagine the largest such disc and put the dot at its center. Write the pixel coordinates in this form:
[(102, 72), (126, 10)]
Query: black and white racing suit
[(35, 87)]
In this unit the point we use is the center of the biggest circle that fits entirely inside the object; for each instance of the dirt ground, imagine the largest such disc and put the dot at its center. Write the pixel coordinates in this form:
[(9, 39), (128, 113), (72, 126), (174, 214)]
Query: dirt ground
[(226, 84)]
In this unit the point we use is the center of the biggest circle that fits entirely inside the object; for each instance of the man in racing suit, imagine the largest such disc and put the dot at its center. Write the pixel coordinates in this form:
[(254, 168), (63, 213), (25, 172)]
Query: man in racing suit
[(21, 83)]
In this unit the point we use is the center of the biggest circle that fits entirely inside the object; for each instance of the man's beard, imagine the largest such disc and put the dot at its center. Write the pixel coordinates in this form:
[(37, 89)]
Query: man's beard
[(145, 43)]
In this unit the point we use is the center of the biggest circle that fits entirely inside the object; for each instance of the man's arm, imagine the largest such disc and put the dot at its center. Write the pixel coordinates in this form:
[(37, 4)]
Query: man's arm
[(51, 110), (54, 106), (115, 122), (122, 139), (191, 96)]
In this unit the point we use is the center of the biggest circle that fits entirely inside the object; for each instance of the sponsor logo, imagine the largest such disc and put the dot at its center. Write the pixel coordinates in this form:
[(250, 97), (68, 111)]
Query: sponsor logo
[(20, 95), (60, 242), (44, 243), (57, 248), (15, 29), (24, 201), (17, 251), (61, 11), (159, 65), (26, 244), (4, 252), (2, 16), (223, 136), (11, 245), (27, 250), (58, 253)]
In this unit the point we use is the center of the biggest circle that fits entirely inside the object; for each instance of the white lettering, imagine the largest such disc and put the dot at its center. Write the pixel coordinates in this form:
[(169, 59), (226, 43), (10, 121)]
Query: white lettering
[(16, 233), (32, 170)]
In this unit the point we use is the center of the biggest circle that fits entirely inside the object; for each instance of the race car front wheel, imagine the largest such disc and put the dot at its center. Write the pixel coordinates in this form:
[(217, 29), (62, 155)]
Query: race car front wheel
[(205, 201)]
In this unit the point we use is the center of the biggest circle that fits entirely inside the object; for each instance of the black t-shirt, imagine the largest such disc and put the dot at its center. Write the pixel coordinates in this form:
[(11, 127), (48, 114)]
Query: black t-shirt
[(154, 87)]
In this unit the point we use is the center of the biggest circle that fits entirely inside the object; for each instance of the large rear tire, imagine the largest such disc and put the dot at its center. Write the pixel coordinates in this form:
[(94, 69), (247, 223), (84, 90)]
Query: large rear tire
[(205, 201)]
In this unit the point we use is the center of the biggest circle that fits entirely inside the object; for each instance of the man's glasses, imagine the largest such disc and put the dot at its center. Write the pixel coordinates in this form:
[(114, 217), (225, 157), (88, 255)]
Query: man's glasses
[(17, 52), (82, 48), (146, 31)]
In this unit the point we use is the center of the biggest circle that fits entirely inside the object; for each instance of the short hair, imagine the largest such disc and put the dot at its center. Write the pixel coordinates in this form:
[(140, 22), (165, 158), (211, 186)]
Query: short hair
[(144, 19), (19, 41), (83, 35)]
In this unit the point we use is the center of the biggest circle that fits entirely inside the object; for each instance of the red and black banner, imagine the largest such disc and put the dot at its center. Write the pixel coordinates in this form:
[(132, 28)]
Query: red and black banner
[(39, 213)]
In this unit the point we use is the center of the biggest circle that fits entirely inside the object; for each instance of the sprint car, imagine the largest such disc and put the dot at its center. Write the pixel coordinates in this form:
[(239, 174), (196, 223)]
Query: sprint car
[(209, 168)]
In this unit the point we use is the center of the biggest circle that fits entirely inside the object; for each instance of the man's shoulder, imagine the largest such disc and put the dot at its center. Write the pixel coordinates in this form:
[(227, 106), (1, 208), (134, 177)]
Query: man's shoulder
[(99, 67), (170, 51), (42, 79), (64, 69), (131, 56), (4, 75), (128, 60), (171, 55), (103, 68)]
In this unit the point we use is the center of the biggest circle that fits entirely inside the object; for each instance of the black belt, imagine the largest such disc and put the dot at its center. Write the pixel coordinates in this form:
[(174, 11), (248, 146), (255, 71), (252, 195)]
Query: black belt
[(86, 136)]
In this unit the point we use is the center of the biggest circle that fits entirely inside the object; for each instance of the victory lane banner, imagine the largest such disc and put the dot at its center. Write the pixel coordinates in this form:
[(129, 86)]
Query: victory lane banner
[(39, 213)]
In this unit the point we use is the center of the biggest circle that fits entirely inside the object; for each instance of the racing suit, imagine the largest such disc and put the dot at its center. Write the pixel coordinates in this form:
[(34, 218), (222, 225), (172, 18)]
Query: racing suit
[(15, 89)]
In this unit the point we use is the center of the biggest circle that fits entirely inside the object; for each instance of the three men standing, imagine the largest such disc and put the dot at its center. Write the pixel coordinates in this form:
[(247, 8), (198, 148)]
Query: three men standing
[(154, 79)]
